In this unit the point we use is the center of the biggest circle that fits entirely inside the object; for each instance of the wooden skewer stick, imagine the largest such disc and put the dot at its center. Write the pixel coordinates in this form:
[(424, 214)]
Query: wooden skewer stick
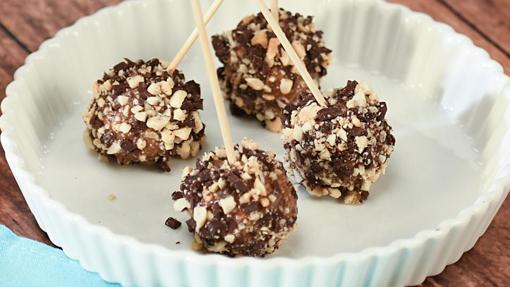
[(215, 85), (300, 66), (193, 37), (275, 10)]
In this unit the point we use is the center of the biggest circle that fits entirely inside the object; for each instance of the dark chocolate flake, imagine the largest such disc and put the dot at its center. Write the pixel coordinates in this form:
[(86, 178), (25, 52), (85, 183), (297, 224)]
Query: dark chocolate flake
[(163, 165), (328, 113), (191, 225), (177, 195), (251, 206), (128, 145), (95, 122), (237, 183), (120, 66), (119, 89), (172, 223), (382, 111), (348, 90), (107, 138)]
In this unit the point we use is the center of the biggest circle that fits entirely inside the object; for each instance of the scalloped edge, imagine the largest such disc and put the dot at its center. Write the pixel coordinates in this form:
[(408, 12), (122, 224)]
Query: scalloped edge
[(50, 214)]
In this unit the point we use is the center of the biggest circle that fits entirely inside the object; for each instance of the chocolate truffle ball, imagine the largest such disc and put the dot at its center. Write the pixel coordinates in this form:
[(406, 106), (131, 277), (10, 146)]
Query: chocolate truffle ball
[(141, 113), (243, 209), (258, 76), (339, 150)]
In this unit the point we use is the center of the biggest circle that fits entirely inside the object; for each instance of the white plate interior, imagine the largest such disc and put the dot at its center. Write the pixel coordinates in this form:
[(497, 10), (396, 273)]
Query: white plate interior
[(440, 165)]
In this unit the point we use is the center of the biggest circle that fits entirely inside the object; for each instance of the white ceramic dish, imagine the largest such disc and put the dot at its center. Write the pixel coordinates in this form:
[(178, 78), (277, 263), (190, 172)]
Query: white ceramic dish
[(448, 104)]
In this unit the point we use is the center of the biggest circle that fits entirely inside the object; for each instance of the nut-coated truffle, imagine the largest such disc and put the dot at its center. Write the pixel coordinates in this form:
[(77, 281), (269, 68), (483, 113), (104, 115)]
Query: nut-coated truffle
[(257, 76), (141, 113), (243, 209), (340, 149)]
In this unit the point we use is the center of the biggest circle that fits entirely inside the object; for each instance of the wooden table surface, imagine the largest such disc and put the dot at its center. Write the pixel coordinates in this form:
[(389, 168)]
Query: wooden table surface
[(25, 24)]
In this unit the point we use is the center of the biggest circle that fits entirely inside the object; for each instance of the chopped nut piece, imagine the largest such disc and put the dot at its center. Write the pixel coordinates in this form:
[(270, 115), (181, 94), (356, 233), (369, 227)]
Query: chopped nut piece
[(158, 122), (298, 133), (362, 143), (141, 116), (122, 100), (179, 115), (184, 150), (268, 97), (229, 238), (259, 187), (335, 193), (181, 204), (166, 87), (167, 136), (170, 82), (177, 98), (112, 197), (136, 109), (183, 133), (153, 101), (307, 114), (331, 139), (286, 86), (198, 122), (285, 59), (141, 144), (200, 216), (259, 38), (186, 171), (255, 83), (359, 100), (300, 49), (274, 125), (227, 204), (100, 102), (356, 122), (124, 128), (342, 134), (105, 87), (114, 148), (272, 50), (154, 89), (133, 82)]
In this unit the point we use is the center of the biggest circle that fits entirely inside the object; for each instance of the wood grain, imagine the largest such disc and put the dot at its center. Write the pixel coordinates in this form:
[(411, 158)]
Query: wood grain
[(25, 24), (14, 211), (487, 264), (493, 19), (33, 21), (443, 13)]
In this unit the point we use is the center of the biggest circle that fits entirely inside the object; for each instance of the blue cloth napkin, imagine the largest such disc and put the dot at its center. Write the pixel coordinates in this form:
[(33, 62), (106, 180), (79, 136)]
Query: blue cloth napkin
[(27, 263)]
